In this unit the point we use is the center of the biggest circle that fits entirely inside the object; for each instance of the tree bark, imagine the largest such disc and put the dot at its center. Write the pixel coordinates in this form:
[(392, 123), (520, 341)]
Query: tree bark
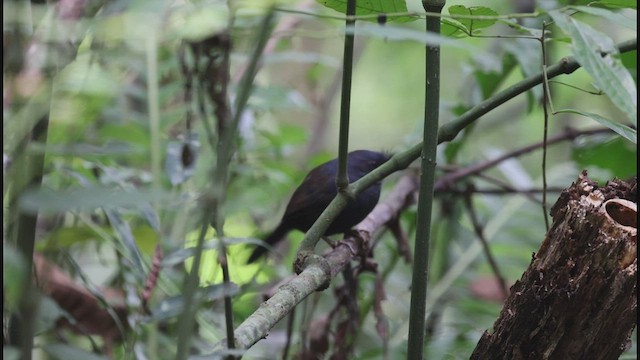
[(577, 299)]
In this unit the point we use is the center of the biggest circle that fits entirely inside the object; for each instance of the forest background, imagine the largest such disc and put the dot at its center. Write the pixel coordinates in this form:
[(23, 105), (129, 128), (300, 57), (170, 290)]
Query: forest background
[(132, 140)]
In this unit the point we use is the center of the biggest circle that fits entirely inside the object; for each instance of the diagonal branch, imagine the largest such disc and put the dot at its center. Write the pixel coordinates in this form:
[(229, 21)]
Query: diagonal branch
[(446, 132)]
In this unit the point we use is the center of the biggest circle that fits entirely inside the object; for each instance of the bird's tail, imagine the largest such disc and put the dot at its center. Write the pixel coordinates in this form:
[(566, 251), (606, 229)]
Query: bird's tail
[(271, 240)]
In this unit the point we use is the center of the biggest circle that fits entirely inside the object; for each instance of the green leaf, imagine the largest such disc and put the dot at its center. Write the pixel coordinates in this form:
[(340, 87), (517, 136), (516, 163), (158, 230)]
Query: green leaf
[(68, 236), (537, 33), (174, 306), (623, 130), (615, 155), (90, 198), (528, 57), (575, 2), (474, 24), (453, 28), (373, 7), (617, 4), (606, 70), (13, 275), (491, 78), (180, 255), (123, 229), (630, 61), (68, 352), (614, 17)]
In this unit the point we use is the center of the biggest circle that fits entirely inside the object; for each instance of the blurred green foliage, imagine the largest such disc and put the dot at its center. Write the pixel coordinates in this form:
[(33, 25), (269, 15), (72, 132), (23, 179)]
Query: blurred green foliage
[(105, 205)]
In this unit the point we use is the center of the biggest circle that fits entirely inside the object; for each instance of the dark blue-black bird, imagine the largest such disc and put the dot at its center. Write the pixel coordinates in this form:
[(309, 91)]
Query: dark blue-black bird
[(316, 192)]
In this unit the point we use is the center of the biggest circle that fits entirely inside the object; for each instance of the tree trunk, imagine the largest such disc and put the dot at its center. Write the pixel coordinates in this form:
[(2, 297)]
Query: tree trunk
[(577, 299)]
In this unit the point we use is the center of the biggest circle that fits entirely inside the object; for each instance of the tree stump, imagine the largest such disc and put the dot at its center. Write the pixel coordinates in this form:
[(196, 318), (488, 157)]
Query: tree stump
[(577, 299)]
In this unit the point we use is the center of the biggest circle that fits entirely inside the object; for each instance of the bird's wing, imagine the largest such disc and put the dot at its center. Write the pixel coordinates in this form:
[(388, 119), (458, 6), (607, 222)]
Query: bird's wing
[(301, 204)]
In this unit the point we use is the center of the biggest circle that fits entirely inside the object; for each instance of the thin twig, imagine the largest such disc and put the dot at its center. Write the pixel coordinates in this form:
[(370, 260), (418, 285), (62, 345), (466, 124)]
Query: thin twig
[(546, 96), (569, 134), (290, 324), (477, 228), (500, 192), (508, 187)]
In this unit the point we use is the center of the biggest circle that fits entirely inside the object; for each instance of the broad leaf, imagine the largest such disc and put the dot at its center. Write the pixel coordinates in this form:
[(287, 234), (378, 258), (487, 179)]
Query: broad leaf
[(125, 234), (624, 131), (89, 198), (533, 32), (68, 352), (616, 4), (606, 70), (615, 155), (373, 7), (453, 28), (13, 273), (630, 61), (613, 17), (474, 25), (527, 54)]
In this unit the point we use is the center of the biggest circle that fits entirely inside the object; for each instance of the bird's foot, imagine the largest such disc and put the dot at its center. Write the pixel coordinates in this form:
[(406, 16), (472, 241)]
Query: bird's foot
[(307, 260)]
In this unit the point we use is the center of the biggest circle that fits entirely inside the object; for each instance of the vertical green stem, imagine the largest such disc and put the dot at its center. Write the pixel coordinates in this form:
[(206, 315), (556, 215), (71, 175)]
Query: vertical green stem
[(430, 138), (154, 109), (546, 101), (342, 179)]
